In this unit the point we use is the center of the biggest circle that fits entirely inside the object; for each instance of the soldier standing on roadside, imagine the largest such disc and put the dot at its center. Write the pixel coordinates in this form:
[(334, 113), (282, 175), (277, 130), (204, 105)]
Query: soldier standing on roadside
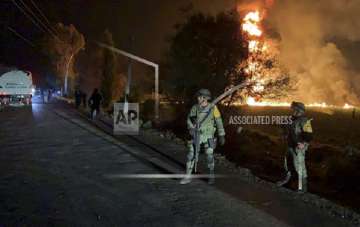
[(299, 134), (202, 123)]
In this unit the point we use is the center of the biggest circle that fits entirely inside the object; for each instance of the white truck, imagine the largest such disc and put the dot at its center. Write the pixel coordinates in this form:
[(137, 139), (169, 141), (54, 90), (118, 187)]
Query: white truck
[(16, 87)]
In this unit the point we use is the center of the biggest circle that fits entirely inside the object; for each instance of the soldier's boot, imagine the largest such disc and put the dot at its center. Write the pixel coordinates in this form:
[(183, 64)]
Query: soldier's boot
[(304, 185), (211, 177), (187, 178)]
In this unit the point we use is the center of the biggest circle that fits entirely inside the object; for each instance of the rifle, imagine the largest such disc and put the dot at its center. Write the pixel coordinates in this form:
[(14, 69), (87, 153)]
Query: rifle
[(196, 141), (288, 173)]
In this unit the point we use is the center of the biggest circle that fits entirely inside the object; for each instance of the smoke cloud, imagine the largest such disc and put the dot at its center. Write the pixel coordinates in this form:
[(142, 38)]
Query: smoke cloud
[(309, 33)]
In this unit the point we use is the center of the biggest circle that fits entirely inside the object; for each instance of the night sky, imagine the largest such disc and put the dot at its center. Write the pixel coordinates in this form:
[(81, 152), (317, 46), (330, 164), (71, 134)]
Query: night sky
[(149, 22)]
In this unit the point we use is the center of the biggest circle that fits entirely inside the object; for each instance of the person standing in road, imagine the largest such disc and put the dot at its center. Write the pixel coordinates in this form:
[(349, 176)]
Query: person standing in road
[(299, 134), (94, 103), (83, 97), (77, 98), (202, 123), (49, 94)]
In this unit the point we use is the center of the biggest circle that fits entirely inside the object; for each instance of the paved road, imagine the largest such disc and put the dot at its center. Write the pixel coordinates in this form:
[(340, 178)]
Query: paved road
[(53, 173)]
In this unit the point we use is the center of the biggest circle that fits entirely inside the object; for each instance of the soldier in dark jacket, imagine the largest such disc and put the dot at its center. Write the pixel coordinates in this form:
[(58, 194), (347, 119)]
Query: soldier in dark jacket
[(83, 98), (299, 135), (77, 97), (94, 103)]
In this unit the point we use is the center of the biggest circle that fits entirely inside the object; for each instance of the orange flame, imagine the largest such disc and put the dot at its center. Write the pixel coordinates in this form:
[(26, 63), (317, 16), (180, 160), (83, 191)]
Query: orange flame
[(252, 102), (250, 24)]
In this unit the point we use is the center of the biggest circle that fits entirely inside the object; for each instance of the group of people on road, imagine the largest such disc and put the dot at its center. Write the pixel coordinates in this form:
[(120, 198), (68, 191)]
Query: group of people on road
[(46, 95), (204, 120), (94, 101)]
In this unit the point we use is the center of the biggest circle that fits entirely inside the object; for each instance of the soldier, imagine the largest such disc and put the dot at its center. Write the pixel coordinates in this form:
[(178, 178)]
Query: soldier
[(299, 134), (202, 122)]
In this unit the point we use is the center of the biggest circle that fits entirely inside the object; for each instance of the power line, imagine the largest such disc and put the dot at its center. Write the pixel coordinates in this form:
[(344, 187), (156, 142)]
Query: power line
[(44, 16), (39, 20), (20, 36), (32, 19), (35, 16), (27, 15)]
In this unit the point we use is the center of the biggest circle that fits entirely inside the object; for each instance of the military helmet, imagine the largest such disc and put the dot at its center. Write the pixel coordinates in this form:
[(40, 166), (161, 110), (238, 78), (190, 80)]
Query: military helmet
[(204, 92), (299, 106)]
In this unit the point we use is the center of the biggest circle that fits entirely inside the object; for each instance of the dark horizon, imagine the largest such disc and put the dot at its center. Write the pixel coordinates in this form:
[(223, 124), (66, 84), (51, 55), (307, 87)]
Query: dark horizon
[(124, 19)]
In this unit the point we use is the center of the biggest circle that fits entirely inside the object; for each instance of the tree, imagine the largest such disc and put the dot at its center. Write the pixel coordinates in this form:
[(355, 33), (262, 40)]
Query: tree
[(205, 52), (109, 70), (62, 50), (269, 79)]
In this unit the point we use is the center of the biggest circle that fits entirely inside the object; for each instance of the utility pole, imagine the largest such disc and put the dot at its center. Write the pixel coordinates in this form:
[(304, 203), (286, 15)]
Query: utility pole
[(146, 62), (67, 75), (128, 83)]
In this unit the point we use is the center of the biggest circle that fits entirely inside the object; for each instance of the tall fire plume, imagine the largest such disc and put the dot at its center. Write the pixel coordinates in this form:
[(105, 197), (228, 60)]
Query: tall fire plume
[(316, 66), (261, 67)]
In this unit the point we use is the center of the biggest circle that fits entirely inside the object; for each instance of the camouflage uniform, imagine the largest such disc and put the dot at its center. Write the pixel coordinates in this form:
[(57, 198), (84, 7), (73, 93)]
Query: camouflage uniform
[(300, 131), (209, 126)]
